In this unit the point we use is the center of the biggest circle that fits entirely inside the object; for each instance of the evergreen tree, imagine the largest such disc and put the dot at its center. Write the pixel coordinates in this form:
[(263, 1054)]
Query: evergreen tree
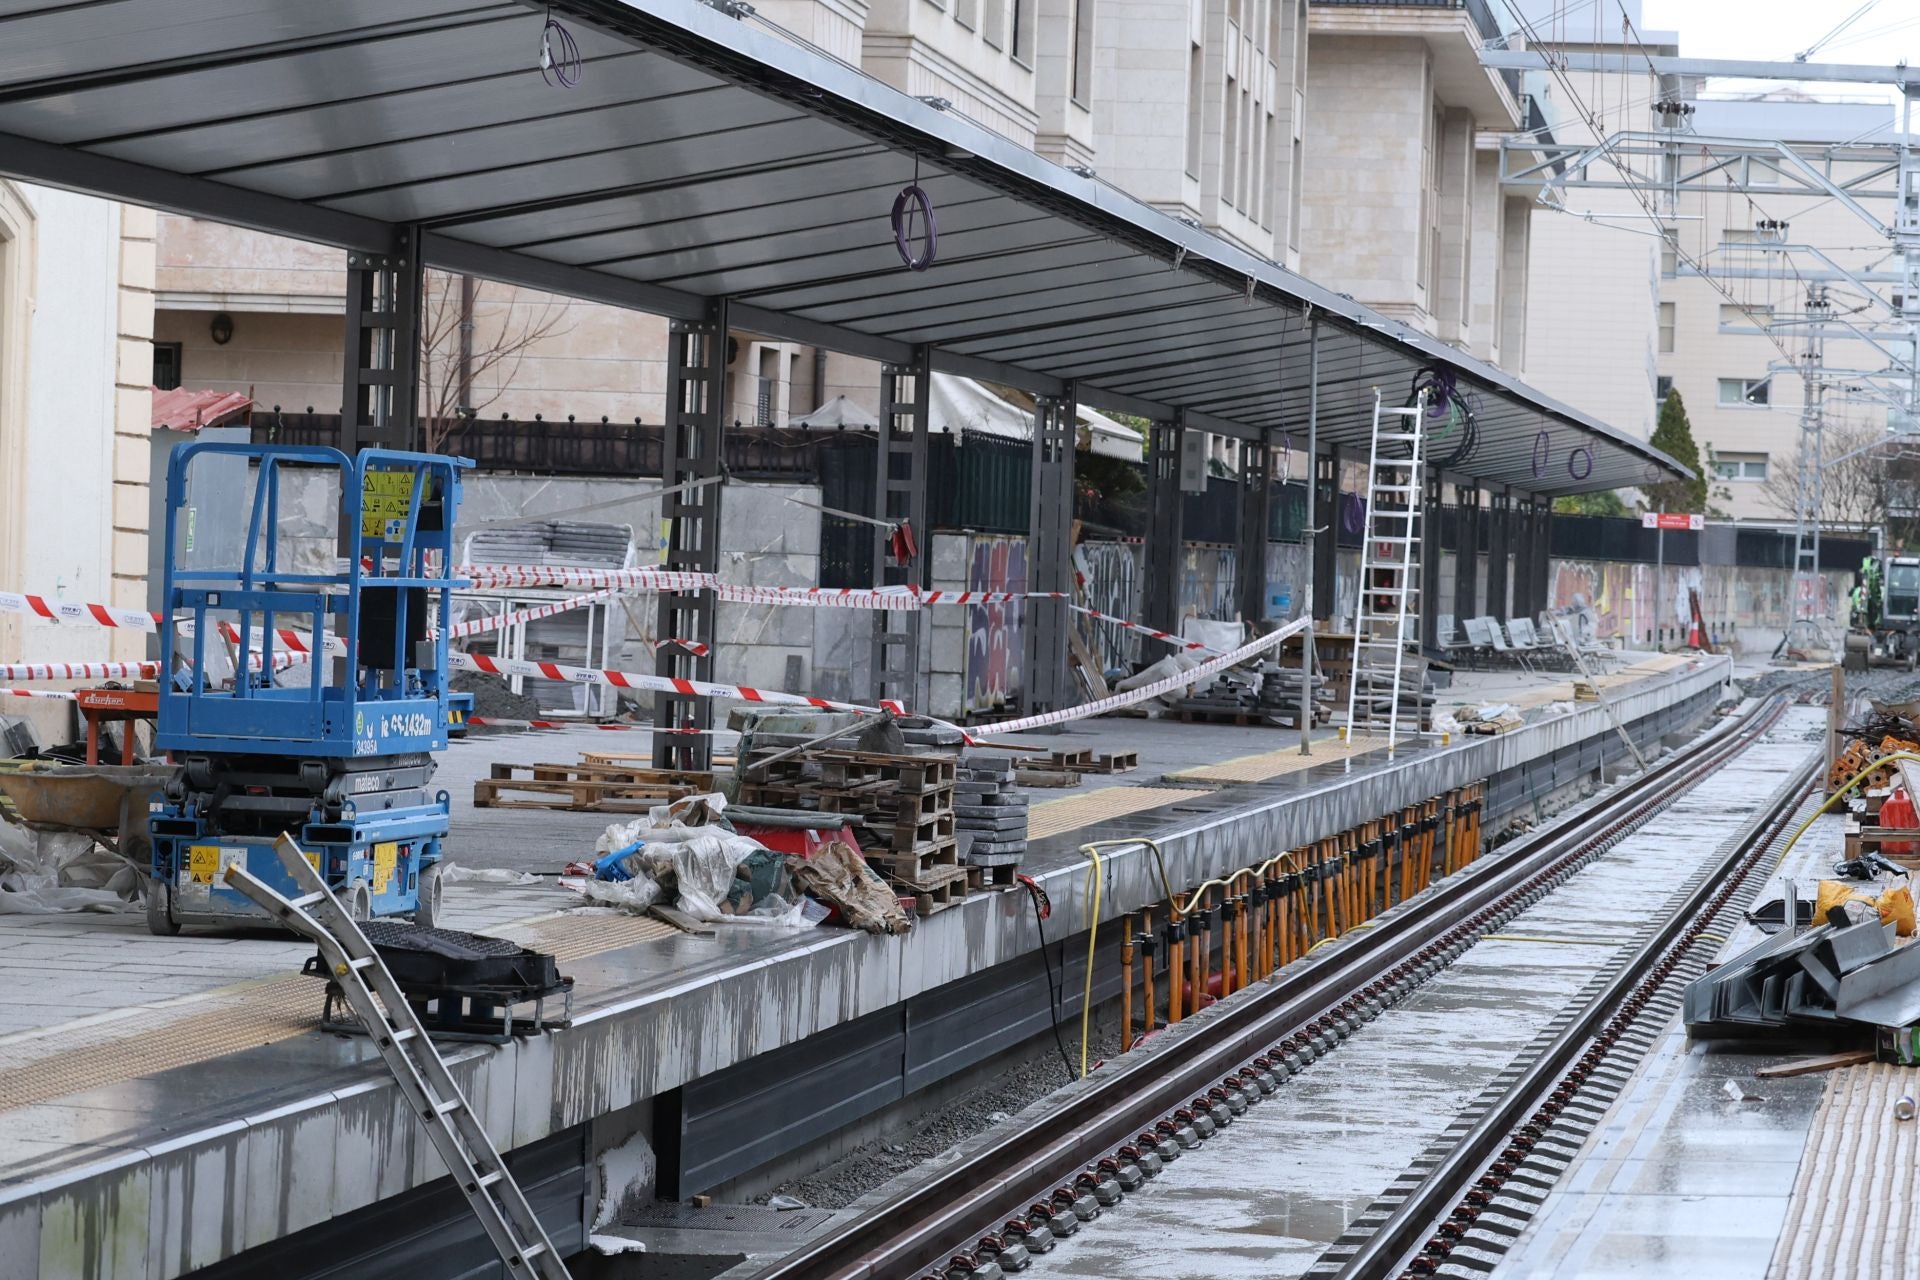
[(1604, 503), (1673, 436)]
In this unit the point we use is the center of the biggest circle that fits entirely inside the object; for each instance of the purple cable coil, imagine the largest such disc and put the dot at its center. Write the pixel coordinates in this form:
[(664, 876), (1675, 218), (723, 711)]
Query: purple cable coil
[(1578, 452), (911, 202)]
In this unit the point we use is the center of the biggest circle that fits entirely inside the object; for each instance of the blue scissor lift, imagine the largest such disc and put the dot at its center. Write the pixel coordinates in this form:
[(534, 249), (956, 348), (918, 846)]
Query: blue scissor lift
[(342, 758)]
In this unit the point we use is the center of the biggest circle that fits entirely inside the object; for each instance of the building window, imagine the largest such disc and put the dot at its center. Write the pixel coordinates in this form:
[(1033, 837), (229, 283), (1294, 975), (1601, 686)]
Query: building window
[(967, 13), (166, 365), (1666, 327), (1662, 388), (1669, 252), (1082, 87), (1740, 466), (994, 32), (1196, 103), (1738, 393), (1021, 41)]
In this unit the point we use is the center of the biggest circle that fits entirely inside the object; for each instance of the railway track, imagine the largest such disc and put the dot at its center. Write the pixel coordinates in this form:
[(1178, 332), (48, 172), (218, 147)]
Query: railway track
[(1014, 1194)]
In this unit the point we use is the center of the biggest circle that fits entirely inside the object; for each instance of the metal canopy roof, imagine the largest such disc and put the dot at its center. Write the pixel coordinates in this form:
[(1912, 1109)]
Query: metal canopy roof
[(699, 157)]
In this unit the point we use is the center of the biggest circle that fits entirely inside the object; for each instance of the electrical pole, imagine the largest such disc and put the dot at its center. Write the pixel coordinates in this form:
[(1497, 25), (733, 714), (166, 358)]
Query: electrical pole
[(1809, 596)]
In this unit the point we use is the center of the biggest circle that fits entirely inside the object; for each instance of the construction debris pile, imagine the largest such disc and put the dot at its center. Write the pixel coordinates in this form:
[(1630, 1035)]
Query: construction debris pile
[(873, 820)]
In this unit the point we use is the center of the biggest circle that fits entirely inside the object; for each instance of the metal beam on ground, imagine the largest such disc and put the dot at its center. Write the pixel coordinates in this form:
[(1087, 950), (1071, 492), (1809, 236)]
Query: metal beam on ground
[(1050, 560), (900, 496), (695, 427)]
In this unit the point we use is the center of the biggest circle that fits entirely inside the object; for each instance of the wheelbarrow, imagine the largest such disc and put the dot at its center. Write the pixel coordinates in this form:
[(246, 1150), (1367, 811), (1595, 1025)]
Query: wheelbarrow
[(105, 802)]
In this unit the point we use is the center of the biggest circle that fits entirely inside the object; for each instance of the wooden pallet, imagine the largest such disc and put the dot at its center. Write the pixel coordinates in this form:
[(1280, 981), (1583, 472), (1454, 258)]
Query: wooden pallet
[(607, 771), (907, 773), (588, 796), (1045, 778), (980, 879), (917, 866), (931, 829), (935, 893)]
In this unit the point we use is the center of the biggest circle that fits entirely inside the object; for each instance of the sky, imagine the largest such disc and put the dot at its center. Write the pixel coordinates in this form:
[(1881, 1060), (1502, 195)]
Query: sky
[(1886, 33)]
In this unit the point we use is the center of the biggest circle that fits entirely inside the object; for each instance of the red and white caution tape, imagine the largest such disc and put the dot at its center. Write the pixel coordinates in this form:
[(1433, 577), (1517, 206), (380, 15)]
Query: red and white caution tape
[(541, 575), (99, 615), (1252, 649), (294, 642), (820, 597), (1178, 642), (639, 681), (78, 670), (986, 597), (37, 693), (495, 622)]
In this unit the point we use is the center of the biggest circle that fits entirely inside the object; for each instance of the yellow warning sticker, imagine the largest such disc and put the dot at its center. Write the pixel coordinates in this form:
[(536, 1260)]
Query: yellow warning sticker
[(385, 497), (203, 863), (385, 858)]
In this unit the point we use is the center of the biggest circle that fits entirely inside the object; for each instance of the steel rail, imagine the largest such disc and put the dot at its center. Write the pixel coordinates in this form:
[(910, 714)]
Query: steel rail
[(951, 1209), (1395, 1245)]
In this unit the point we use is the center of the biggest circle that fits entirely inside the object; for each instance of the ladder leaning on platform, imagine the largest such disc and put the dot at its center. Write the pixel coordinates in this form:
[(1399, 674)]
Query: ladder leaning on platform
[(1387, 607), (429, 1088)]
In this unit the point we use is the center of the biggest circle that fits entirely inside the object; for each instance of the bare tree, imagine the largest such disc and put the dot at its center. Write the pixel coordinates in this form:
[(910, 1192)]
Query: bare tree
[(468, 358), (1857, 480)]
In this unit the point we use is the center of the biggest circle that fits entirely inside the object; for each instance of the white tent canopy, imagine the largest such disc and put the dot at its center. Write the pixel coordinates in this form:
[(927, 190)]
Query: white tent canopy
[(962, 404), (837, 412)]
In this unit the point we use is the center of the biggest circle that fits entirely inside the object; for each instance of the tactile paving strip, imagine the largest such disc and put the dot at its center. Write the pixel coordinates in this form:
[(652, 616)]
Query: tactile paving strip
[(1274, 764), (1074, 812), (1852, 1208), (198, 1028)]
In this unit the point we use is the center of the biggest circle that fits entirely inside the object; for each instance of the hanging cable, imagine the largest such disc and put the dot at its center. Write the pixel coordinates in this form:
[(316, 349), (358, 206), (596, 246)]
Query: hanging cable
[(1042, 908), (560, 62)]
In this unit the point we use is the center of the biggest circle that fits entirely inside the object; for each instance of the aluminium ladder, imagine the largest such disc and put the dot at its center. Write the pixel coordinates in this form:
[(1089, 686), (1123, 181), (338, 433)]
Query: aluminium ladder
[(1387, 607), (430, 1089)]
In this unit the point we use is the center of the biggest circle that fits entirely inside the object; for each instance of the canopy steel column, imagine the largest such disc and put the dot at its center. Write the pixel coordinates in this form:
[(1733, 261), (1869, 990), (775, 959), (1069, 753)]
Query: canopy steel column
[(1050, 555), (380, 391), (1256, 515), (1541, 567), (1466, 566), (1432, 528), (1166, 507), (1499, 543), (1522, 517), (1326, 543), (900, 474), (695, 427)]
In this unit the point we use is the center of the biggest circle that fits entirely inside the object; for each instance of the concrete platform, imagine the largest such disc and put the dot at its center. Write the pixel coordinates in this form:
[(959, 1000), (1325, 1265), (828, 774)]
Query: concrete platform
[(1700, 1168), (155, 1146)]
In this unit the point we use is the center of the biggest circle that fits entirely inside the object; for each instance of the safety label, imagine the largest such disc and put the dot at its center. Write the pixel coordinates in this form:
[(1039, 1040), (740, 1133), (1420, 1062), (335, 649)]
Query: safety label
[(385, 497), (385, 858)]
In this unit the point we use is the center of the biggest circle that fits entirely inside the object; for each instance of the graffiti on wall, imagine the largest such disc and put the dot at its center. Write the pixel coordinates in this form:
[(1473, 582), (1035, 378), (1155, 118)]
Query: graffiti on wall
[(1621, 599), (1207, 582), (996, 634), (1109, 574)]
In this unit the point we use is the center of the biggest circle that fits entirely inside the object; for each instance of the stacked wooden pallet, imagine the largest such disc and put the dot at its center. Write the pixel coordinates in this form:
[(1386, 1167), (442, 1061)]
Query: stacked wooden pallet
[(903, 803), (1064, 768), (588, 786)]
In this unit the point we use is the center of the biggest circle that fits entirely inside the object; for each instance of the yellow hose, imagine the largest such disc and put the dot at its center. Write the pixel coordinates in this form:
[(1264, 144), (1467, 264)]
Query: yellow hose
[(1094, 874), (1838, 796)]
